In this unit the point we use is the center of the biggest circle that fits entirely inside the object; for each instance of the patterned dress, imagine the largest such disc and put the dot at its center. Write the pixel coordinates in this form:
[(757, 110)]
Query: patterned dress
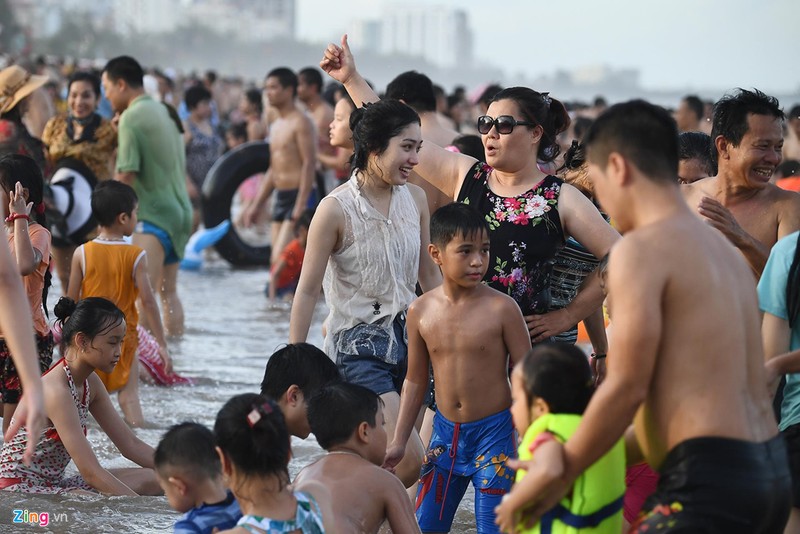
[(307, 520), (525, 235), (46, 472)]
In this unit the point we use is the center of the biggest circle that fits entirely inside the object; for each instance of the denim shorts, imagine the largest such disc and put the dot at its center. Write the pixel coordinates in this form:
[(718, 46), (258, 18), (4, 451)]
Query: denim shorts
[(365, 362), (170, 256)]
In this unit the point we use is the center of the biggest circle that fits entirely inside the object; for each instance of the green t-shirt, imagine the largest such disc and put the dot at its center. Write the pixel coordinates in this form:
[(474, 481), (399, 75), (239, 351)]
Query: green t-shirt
[(151, 146)]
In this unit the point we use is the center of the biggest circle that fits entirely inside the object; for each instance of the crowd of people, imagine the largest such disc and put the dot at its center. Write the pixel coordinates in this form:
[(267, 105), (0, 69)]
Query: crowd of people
[(458, 246)]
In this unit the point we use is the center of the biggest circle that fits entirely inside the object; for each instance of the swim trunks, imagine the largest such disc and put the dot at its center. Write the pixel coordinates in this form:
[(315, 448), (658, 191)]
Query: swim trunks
[(10, 386), (461, 453), (792, 437), (710, 485), (284, 204), (170, 254)]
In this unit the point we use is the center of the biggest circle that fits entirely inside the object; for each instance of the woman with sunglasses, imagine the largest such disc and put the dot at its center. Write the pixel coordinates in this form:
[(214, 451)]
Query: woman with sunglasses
[(530, 213)]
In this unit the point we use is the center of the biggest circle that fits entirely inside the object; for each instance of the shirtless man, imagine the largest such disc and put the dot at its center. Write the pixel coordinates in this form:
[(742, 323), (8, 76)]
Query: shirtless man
[(740, 201), (292, 150), (466, 331), (684, 311), (416, 90), (348, 422), (309, 89)]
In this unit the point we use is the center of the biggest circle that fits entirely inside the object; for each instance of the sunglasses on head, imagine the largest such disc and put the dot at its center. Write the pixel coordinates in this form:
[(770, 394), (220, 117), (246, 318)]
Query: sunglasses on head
[(504, 124)]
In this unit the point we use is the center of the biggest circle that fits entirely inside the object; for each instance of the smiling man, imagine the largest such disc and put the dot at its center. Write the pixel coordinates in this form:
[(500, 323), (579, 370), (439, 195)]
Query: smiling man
[(740, 201)]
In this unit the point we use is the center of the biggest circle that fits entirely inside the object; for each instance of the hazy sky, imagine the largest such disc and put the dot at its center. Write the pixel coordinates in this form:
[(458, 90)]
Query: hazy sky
[(675, 44)]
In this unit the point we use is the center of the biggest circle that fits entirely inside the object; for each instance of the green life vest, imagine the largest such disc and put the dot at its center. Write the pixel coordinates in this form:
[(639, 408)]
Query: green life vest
[(594, 505)]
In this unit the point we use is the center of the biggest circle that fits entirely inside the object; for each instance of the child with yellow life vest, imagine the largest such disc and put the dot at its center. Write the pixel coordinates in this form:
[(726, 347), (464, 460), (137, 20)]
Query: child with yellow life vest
[(550, 389)]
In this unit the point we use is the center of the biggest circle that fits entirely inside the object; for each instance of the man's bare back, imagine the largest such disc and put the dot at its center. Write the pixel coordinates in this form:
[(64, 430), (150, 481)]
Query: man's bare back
[(682, 273), (363, 495), (468, 341)]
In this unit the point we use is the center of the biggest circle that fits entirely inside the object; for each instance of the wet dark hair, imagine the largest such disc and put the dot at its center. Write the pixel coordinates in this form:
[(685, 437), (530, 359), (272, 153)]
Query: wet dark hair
[(311, 76), (731, 112), (301, 364), (110, 199), (560, 375), (286, 77), (85, 76), (23, 169), (337, 410), (454, 219), (188, 446), (251, 431), (254, 97), (413, 88), (643, 133), (374, 125), (125, 68), (238, 130), (194, 95), (471, 145), (697, 145), (696, 105), (545, 111), (93, 316)]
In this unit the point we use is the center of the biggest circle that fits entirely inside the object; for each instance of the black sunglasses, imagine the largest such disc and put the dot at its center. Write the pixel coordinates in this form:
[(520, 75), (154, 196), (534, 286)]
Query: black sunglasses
[(504, 124)]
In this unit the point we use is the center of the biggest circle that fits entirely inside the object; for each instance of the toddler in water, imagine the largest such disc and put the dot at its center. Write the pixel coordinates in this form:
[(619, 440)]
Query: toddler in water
[(92, 331), (190, 474), (253, 445), (21, 187), (550, 390), (348, 422)]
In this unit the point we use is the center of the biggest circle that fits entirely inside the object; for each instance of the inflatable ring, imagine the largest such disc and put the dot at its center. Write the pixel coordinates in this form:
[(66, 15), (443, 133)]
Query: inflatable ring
[(221, 184)]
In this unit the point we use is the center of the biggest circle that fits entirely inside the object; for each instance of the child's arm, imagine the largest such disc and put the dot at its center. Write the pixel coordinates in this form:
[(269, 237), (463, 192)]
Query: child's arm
[(596, 329), (546, 467), (63, 413), (429, 275), (515, 331), (28, 258), (150, 310), (76, 275), (415, 386), (112, 424), (275, 275), (399, 511)]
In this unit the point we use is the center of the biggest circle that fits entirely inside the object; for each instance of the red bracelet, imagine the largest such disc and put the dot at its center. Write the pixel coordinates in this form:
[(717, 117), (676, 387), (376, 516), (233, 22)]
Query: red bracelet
[(14, 216)]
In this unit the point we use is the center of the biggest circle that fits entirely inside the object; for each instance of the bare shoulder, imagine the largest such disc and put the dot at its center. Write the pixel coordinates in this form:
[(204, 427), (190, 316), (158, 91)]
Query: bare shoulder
[(418, 194), (424, 303), (496, 301), (329, 210), (789, 200)]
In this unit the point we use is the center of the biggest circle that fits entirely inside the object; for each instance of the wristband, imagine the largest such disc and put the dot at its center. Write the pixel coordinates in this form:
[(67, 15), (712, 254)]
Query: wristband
[(598, 356), (14, 216)]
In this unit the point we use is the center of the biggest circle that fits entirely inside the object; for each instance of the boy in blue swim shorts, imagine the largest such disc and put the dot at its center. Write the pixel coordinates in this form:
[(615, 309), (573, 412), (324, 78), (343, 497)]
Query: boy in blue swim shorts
[(466, 331)]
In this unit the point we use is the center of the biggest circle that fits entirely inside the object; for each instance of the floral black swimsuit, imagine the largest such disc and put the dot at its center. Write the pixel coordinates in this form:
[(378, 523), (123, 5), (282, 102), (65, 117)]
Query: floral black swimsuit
[(525, 236)]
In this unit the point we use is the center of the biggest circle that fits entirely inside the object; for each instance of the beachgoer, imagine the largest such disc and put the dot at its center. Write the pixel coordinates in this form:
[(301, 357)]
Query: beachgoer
[(83, 135), (16, 88), (21, 187), (286, 272), (189, 472), (348, 422), (676, 287), (740, 201), (253, 446), (294, 374), (111, 268), (341, 138), (473, 435), (292, 150), (151, 159), (694, 157), (367, 241), (778, 291), (550, 389), (309, 93), (93, 331), (252, 107), (689, 114), (531, 213)]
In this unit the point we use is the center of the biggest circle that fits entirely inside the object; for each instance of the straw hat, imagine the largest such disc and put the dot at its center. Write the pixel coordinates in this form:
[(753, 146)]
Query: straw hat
[(15, 84)]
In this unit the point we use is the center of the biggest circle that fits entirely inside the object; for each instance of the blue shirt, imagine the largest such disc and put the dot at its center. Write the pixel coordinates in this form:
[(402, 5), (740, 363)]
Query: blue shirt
[(772, 300), (203, 519)]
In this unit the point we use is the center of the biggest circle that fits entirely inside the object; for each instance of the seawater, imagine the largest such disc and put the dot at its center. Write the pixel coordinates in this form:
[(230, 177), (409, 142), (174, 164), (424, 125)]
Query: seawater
[(231, 329)]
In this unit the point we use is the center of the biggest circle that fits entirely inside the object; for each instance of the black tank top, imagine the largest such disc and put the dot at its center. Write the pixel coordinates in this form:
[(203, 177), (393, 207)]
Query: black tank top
[(525, 236)]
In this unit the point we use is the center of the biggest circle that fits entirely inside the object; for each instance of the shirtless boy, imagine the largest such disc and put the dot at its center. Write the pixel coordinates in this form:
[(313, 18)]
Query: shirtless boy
[(740, 201), (684, 310), (348, 422), (292, 151), (466, 331), (309, 92)]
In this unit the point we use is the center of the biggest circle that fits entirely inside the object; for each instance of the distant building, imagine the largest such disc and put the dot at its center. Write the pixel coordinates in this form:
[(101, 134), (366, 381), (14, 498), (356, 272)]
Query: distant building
[(247, 20), (44, 18)]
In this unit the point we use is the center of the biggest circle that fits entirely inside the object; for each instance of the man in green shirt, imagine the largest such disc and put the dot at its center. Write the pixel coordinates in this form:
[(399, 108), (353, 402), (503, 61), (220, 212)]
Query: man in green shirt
[(151, 159)]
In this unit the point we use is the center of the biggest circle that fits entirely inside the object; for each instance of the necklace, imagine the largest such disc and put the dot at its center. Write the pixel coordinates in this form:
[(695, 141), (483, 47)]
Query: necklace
[(345, 452), (110, 239)]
